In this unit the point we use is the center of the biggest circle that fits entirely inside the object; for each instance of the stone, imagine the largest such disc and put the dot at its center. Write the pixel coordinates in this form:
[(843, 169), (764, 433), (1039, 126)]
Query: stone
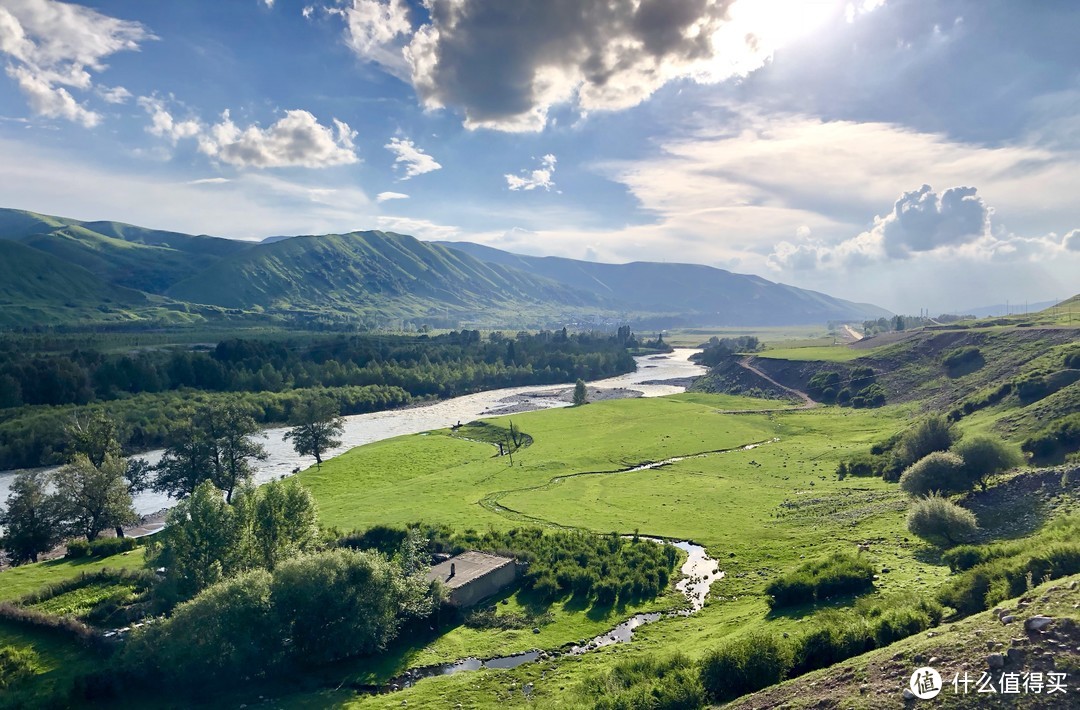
[(908, 695), (933, 661), (1008, 619), (1015, 655), (995, 660), (536, 629), (1037, 623), (1072, 584)]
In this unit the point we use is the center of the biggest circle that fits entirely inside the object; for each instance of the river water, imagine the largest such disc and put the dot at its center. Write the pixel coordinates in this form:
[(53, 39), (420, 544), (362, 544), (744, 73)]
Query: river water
[(361, 429)]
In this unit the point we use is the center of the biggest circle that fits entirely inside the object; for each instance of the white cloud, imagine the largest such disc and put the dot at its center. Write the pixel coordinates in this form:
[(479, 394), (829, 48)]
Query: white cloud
[(373, 30), (308, 11), (52, 45), (420, 228), (114, 94), (537, 178), (413, 159), (208, 181), (163, 124), (386, 196), (297, 140), (269, 3)]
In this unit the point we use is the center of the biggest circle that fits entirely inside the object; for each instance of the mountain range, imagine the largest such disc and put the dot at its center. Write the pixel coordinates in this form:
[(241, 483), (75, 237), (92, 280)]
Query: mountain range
[(56, 270)]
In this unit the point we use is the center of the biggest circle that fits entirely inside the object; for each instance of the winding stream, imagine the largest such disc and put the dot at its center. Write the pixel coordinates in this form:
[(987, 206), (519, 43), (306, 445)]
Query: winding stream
[(699, 572), (367, 428)]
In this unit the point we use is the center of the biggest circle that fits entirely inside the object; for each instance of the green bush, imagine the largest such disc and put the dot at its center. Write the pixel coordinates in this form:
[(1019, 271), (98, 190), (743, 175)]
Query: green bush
[(982, 458), (960, 357), (821, 579), (745, 665), (16, 665), (1061, 437), (1001, 578), (108, 546), (77, 549), (940, 472), (649, 683), (940, 521), (930, 435)]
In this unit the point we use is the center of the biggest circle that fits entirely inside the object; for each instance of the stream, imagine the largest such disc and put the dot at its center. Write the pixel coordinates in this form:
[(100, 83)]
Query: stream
[(699, 572), (361, 429)]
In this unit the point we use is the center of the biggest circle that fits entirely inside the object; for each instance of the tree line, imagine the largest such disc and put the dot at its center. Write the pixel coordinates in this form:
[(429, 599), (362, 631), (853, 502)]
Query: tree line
[(149, 391)]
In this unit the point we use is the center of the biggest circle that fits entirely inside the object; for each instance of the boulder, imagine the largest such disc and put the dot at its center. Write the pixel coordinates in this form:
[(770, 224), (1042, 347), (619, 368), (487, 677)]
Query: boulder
[(1037, 623)]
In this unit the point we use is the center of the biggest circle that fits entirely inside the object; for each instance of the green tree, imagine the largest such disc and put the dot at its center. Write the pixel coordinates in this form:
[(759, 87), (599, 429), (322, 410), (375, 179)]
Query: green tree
[(188, 460), (581, 393), (91, 497), (984, 457), (316, 427), (206, 542), (283, 519), (940, 471), (94, 436), (930, 435), (939, 520), (31, 519)]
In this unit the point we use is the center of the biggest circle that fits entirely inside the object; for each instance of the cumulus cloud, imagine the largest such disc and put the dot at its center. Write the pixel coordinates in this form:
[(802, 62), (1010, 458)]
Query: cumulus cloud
[(539, 177), (162, 123), (414, 160), (297, 140), (956, 223), (506, 64), (53, 46), (114, 94), (385, 196)]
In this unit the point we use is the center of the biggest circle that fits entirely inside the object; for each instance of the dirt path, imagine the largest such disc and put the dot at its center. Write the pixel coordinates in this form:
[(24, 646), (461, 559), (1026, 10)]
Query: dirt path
[(854, 334), (808, 403)]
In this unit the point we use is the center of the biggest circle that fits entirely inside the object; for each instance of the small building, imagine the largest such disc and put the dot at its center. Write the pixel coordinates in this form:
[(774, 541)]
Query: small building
[(474, 576)]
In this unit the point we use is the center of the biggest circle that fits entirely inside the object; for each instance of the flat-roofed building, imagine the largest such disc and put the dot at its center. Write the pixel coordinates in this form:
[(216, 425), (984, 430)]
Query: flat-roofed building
[(474, 576)]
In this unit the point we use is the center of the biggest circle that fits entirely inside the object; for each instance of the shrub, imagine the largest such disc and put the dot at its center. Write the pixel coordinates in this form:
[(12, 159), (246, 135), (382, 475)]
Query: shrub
[(1059, 438), (77, 549), (1001, 578), (108, 546), (16, 665), (745, 665), (983, 457), (937, 472), (939, 520), (824, 386), (930, 435), (649, 683), (821, 579)]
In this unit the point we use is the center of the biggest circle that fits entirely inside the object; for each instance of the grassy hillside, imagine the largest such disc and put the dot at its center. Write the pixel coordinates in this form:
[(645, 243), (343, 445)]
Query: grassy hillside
[(713, 295), (369, 272), (39, 289)]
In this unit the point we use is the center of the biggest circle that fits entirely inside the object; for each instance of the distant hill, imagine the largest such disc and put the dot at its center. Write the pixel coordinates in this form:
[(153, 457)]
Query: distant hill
[(125, 255), (377, 275), (40, 289), (709, 295), (370, 272), (1002, 309)]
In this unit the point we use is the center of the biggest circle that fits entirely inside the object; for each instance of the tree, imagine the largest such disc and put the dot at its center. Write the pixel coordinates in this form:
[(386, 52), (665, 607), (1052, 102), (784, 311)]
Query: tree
[(316, 427), (215, 444), (940, 471), (283, 519), (983, 457), (581, 393), (94, 436), (31, 519), (206, 543), (938, 520), (92, 497)]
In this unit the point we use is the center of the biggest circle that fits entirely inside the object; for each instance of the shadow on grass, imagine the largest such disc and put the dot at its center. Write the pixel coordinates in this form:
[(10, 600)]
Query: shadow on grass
[(803, 611)]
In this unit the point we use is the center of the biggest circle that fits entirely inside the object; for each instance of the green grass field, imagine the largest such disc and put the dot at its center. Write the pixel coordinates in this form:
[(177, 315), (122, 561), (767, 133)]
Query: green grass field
[(824, 353), (20, 581)]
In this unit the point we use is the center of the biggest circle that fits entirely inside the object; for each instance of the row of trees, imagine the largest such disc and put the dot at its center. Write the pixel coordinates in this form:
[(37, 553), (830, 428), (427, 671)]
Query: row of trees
[(442, 365), (94, 491)]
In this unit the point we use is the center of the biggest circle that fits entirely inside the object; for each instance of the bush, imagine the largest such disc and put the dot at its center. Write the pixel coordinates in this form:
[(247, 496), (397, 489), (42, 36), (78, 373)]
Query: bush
[(982, 458), (939, 520), (821, 579), (649, 683), (16, 665), (930, 435), (939, 472), (1004, 577), (1061, 437), (77, 549), (745, 665), (108, 546)]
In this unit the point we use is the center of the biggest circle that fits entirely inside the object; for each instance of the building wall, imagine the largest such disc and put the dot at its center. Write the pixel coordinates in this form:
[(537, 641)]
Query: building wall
[(483, 587)]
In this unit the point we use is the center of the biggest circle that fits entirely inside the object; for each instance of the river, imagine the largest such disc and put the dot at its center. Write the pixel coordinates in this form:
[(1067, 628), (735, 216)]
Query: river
[(361, 429)]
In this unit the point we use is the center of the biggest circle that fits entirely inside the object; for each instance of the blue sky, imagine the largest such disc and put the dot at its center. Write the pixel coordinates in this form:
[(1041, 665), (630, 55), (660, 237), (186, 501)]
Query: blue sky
[(907, 153)]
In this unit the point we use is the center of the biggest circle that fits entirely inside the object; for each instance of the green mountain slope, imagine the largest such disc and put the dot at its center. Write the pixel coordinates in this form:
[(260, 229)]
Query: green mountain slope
[(370, 272), (134, 257), (711, 296), (39, 289)]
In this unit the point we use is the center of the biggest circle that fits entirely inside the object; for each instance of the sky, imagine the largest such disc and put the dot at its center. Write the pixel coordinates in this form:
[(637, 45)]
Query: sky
[(907, 153)]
